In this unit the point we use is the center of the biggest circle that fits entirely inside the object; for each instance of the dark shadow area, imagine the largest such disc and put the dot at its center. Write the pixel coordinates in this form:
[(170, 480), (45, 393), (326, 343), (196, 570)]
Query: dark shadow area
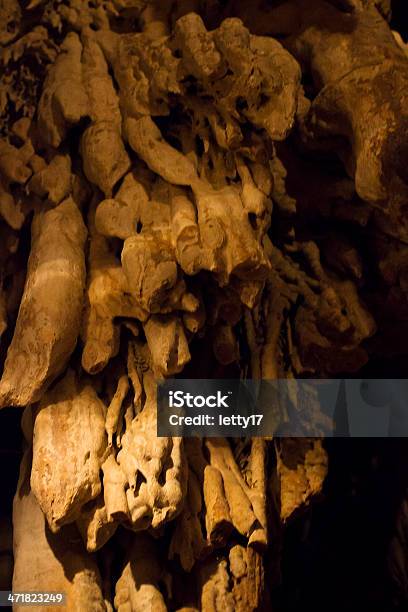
[(335, 556), (10, 457)]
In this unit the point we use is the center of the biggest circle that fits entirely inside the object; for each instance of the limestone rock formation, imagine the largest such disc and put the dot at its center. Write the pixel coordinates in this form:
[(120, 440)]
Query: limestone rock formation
[(193, 188)]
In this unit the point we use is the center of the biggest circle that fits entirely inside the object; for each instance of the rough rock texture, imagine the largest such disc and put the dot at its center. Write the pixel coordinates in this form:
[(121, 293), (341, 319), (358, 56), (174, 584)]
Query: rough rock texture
[(182, 192), (50, 311), (72, 419), (57, 563)]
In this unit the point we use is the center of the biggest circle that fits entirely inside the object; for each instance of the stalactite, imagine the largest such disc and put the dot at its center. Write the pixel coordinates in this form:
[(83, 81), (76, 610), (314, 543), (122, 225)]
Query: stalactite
[(180, 191)]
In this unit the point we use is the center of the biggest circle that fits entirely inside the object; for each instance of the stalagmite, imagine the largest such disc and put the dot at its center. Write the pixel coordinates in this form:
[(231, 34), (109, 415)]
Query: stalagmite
[(62, 415), (188, 541), (237, 494), (137, 587), (302, 468), (64, 101), (50, 311), (232, 583), (107, 297), (155, 468), (59, 562), (218, 520)]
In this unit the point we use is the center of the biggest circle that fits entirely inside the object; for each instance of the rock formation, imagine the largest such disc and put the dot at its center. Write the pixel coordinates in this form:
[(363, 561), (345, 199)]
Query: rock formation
[(190, 186)]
